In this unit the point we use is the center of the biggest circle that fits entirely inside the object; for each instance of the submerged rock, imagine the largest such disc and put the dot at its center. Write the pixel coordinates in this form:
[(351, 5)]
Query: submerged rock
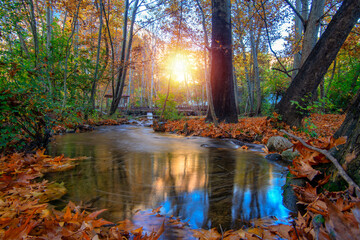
[(274, 157), (289, 197), (278, 144)]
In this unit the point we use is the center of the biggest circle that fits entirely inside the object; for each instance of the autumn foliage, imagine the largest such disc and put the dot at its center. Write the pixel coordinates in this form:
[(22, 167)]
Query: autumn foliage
[(328, 215), (258, 129), (25, 213)]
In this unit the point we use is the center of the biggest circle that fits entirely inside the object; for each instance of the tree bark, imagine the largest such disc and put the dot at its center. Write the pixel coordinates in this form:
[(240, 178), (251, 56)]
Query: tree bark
[(124, 56), (350, 152), (316, 65), (49, 16), (221, 78), (210, 101), (116, 99), (298, 33), (32, 21), (312, 28), (93, 88), (67, 51), (254, 54)]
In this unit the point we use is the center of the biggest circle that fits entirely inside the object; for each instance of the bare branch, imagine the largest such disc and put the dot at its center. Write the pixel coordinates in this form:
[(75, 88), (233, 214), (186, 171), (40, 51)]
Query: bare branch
[(296, 12), (268, 37), (331, 158)]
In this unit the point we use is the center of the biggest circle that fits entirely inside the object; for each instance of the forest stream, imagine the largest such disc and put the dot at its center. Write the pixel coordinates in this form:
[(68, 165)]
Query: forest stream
[(208, 182)]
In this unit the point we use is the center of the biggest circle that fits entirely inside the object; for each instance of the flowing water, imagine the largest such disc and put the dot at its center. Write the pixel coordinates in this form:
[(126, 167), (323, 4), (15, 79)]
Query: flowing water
[(207, 182)]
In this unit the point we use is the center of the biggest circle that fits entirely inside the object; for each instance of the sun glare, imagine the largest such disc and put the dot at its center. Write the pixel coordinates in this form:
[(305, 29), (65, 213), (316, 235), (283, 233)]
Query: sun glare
[(179, 68)]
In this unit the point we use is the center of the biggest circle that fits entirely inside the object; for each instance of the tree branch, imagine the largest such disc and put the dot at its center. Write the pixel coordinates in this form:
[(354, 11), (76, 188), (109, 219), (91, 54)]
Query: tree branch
[(296, 12), (268, 37), (331, 158)]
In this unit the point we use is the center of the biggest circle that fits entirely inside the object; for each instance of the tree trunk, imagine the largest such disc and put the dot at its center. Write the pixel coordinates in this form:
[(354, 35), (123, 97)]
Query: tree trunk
[(67, 51), (32, 21), (222, 83), (211, 111), (349, 154), (93, 88), (247, 77), (312, 28), (48, 43), (116, 99), (317, 64), (124, 56), (298, 33), (256, 70)]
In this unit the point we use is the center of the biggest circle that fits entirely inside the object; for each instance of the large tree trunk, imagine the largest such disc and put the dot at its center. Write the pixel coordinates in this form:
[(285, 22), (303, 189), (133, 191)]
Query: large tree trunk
[(222, 84), (316, 65), (349, 155)]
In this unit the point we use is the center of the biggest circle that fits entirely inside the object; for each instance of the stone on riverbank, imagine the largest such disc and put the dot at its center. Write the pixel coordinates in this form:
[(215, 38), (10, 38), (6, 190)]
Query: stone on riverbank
[(278, 144)]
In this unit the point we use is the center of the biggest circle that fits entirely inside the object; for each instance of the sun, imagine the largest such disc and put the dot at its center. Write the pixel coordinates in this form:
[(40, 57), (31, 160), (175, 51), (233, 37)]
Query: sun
[(179, 67)]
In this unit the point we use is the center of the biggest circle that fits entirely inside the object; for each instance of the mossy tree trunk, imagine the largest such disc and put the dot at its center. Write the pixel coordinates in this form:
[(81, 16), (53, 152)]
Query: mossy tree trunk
[(349, 155)]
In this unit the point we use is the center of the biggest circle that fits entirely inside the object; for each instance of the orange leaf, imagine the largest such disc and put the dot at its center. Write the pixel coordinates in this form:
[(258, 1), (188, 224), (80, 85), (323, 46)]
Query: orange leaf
[(67, 215), (93, 215), (203, 234), (336, 142), (100, 222), (137, 231)]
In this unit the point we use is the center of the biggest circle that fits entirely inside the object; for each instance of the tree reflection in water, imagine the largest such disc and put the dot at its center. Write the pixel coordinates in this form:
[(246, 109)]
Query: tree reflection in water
[(133, 168)]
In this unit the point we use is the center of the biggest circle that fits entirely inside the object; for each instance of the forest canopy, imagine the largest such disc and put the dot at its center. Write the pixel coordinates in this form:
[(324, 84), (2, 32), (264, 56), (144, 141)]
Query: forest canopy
[(62, 61)]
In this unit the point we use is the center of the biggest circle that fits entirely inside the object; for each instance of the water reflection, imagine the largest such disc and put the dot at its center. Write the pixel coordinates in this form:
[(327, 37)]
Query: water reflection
[(132, 168)]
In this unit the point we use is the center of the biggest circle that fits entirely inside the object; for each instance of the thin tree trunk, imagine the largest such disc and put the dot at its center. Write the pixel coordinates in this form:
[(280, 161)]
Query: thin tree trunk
[(67, 51), (167, 96), (331, 78), (152, 77), (48, 43), (32, 21), (247, 77), (112, 48), (93, 89), (22, 41), (312, 28), (124, 55), (298, 33), (64, 22), (207, 78), (256, 71), (116, 98)]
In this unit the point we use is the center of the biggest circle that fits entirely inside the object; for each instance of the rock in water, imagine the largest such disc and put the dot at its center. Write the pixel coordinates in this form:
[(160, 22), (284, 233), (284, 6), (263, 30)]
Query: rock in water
[(274, 157), (278, 144)]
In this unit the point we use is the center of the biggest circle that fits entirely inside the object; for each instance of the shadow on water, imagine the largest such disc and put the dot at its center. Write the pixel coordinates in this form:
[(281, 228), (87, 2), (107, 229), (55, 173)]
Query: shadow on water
[(132, 168)]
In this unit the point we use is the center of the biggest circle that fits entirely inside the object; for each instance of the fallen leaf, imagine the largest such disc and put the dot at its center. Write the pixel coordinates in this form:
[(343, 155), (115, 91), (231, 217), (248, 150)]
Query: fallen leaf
[(203, 234)]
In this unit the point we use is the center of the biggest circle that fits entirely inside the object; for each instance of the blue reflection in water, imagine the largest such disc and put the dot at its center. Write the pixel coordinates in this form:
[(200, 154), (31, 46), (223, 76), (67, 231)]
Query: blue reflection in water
[(193, 210), (133, 168), (248, 205)]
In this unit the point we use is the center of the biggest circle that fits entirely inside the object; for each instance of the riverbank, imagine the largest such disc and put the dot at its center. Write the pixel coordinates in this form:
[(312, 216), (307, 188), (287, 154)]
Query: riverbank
[(317, 128), (327, 213), (25, 212)]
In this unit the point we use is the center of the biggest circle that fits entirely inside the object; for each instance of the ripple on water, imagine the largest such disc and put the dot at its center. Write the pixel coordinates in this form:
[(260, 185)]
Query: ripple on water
[(134, 168)]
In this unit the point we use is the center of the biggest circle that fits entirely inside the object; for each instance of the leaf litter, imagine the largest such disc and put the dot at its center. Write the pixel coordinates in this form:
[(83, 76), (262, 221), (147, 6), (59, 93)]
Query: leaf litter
[(26, 214)]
